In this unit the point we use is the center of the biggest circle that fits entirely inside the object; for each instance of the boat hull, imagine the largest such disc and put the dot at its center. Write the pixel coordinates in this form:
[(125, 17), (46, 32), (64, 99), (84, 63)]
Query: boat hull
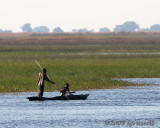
[(69, 97)]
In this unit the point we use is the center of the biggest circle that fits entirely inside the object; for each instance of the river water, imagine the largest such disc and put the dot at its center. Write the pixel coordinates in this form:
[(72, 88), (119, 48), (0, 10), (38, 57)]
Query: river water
[(131, 107)]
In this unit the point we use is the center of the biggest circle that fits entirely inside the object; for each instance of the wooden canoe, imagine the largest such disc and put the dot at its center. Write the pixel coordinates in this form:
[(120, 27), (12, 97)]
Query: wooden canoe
[(69, 97)]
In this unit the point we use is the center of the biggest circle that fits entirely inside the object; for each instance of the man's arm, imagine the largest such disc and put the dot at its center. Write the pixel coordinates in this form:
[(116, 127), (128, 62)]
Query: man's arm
[(48, 79)]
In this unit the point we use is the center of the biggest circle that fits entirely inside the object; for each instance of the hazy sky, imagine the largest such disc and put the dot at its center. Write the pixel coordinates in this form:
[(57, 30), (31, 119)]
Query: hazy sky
[(74, 14)]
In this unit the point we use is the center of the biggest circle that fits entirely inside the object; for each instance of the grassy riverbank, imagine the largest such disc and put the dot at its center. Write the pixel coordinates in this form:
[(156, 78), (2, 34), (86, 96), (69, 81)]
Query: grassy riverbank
[(60, 55)]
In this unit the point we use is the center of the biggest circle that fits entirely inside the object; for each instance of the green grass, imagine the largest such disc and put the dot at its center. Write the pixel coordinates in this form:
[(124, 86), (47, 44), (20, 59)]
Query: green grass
[(92, 72), (19, 71)]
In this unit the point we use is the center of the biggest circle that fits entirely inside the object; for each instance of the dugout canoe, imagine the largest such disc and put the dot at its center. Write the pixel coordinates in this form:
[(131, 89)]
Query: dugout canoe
[(69, 97)]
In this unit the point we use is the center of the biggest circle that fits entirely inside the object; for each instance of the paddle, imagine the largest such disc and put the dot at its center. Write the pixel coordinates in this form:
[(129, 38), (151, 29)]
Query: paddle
[(73, 92)]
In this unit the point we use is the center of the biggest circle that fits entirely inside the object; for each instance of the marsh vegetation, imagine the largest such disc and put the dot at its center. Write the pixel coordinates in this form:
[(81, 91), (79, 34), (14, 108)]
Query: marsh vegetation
[(58, 53)]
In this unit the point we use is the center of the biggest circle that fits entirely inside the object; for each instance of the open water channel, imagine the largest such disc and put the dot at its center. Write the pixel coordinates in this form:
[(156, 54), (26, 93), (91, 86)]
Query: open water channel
[(131, 107)]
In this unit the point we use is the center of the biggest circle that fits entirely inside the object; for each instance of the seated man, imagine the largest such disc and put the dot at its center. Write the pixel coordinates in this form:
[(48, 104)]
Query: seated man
[(65, 90)]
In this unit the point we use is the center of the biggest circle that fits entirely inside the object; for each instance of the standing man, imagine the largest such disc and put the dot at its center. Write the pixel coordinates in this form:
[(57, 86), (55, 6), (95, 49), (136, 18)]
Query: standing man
[(42, 76)]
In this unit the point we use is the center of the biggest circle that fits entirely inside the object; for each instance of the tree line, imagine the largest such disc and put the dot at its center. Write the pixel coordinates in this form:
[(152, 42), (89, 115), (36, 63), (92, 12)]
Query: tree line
[(27, 28), (5, 31), (129, 26)]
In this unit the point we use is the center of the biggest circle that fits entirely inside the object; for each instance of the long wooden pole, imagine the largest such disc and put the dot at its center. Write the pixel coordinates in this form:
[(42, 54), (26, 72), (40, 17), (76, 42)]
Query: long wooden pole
[(38, 64)]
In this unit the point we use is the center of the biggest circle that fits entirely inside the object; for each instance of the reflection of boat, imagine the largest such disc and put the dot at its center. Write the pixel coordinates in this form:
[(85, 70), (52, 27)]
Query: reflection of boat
[(69, 97)]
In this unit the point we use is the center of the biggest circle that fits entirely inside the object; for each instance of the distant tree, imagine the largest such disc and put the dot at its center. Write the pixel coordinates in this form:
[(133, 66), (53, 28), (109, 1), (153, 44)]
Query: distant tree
[(118, 28), (126, 27), (1, 30), (105, 29), (57, 29), (7, 31), (74, 30), (143, 30), (155, 27), (26, 27), (44, 29), (82, 30)]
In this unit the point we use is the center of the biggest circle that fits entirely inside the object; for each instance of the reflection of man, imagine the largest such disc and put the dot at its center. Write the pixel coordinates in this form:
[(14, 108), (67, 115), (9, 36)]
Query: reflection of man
[(42, 76)]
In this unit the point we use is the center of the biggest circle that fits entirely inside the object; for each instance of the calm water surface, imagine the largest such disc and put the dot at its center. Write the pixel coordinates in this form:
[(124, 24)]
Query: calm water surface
[(137, 107)]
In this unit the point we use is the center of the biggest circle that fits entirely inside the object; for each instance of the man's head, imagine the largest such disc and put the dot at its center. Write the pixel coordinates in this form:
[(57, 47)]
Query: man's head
[(67, 84), (44, 70)]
